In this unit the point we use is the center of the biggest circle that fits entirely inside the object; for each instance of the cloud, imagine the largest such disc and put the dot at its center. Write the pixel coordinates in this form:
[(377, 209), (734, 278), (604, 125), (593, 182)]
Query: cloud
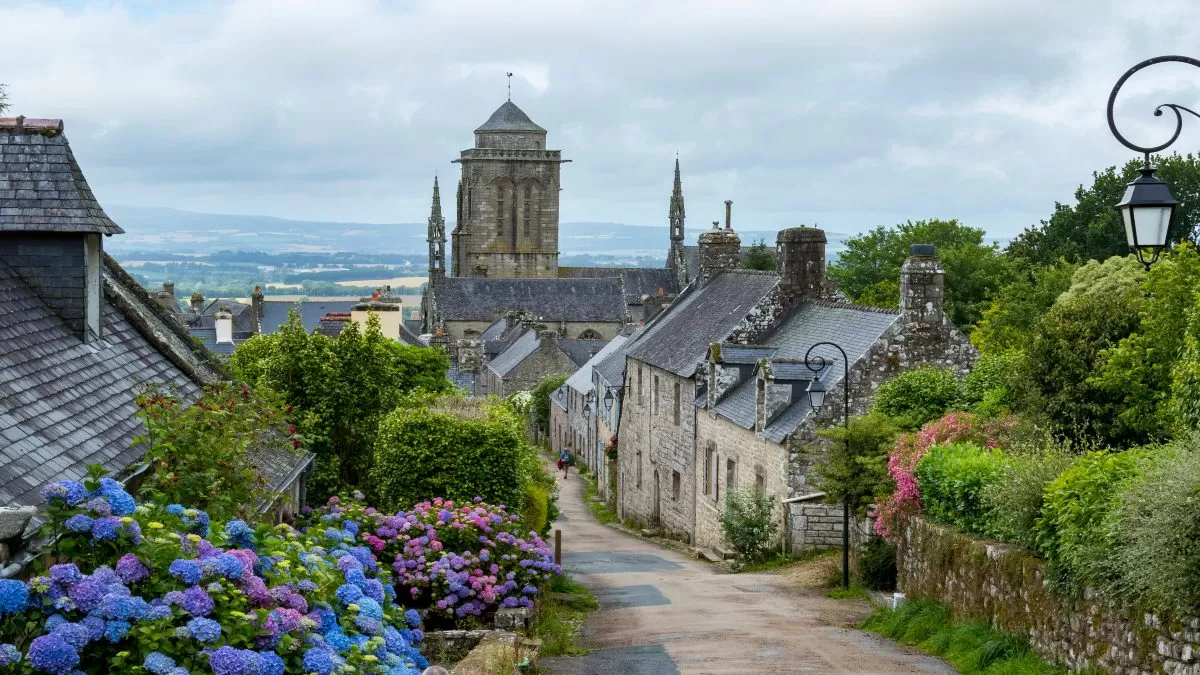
[(851, 114)]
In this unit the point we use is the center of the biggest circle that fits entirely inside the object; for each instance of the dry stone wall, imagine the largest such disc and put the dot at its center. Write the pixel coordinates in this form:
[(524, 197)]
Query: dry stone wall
[(1007, 586)]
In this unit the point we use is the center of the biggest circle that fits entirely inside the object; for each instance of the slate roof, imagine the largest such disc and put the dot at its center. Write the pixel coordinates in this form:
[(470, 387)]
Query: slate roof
[(480, 298), (516, 353), (413, 326), (279, 465), (275, 312), (580, 351), (494, 331), (638, 281), (64, 404), (493, 347), (461, 379), (676, 340), (612, 366), (744, 354), (581, 380), (408, 337), (42, 188), (508, 117)]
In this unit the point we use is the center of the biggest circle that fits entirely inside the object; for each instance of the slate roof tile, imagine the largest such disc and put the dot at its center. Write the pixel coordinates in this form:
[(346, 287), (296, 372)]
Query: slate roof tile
[(480, 298)]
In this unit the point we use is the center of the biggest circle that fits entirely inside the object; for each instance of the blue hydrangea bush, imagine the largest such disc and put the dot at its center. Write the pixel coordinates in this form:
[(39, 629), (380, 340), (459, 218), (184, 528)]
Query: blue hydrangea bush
[(164, 590)]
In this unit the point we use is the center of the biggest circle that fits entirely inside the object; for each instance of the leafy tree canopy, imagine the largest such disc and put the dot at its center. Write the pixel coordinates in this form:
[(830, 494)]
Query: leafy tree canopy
[(1017, 306), (855, 469), (760, 257), (1091, 229), (868, 271), (539, 409)]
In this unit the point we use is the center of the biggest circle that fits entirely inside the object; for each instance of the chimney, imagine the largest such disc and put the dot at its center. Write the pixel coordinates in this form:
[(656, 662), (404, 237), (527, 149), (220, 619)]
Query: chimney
[(223, 320), (922, 285), (166, 297), (800, 262), (719, 249), (256, 305), (197, 302)]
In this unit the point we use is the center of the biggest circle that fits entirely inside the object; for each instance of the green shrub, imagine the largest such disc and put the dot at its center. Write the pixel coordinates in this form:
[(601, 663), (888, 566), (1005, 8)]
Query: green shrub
[(1068, 534), (749, 524), (855, 467), (456, 448), (1013, 502), (1155, 528), (539, 407), (535, 511), (952, 479), (918, 396), (877, 564), (985, 390)]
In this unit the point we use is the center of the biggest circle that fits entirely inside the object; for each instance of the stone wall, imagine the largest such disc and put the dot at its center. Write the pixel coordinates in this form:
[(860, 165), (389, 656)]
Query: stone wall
[(812, 525), (548, 359), (1007, 586), (654, 445)]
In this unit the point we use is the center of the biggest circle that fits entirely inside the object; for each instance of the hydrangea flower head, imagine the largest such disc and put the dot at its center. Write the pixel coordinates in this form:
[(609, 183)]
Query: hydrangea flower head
[(13, 596), (9, 655), (203, 630), (52, 654), (69, 492), (79, 523), (130, 569), (158, 663), (185, 570)]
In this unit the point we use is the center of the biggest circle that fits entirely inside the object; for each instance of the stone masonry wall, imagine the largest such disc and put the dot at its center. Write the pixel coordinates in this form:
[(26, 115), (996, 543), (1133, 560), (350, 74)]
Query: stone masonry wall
[(813, 526), (53, 266), (753, 456), (666, 449), (1006, 586)]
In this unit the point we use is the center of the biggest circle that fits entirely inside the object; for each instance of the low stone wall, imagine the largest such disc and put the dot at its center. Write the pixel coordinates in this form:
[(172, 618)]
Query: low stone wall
[(1006, 585), (812, 525)]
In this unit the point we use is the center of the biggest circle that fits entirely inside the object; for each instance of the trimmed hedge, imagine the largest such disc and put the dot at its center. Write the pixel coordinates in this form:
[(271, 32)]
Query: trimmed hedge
[(953, 478)]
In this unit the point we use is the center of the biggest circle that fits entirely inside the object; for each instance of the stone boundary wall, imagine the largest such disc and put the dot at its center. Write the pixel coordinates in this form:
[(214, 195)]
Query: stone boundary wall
[(814, 525), (1005, 585)]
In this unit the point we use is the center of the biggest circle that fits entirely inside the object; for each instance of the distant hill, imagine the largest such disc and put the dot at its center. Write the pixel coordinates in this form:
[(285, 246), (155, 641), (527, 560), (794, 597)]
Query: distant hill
[(166, 230)]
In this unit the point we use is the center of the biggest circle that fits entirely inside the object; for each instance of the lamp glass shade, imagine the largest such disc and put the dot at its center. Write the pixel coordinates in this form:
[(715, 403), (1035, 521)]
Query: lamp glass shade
[(816, 394), (608, 400), (1146, 212)]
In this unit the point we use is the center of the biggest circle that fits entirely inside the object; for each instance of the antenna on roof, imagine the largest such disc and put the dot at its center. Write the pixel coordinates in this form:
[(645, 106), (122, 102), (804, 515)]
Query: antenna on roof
[(510, 86)]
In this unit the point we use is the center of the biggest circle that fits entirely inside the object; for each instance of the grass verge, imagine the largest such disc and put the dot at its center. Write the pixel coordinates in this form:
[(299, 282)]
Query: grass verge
[(591, 497), (561, 618), (969, 646), (855, 592)]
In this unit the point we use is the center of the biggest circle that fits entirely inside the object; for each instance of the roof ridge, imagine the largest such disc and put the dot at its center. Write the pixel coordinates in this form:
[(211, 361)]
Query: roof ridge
[(843, 304)]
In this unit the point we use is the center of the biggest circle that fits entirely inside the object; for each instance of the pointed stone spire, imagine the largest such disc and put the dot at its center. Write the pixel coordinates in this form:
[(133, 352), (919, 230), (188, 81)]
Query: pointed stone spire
[(437, 236), (677, 214)]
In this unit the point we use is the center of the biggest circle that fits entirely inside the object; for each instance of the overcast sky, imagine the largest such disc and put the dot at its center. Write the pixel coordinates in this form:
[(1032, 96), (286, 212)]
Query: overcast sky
[(843, 114)]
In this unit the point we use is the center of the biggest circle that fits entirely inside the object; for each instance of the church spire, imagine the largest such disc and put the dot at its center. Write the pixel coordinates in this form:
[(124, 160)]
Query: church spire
[(677, 216), (437, 236)]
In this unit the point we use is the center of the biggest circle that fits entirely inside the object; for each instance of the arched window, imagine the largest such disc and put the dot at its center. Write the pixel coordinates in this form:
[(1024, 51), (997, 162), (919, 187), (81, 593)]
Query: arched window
[(500, 210), (527, 208), (590, 334)]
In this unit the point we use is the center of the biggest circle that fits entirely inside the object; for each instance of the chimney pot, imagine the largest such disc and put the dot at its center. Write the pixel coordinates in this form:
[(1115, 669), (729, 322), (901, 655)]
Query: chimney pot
[(728, 214)]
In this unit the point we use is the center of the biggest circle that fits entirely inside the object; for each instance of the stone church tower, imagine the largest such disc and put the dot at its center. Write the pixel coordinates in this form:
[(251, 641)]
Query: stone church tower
[(437, 237), (676, 258), (507, 213)]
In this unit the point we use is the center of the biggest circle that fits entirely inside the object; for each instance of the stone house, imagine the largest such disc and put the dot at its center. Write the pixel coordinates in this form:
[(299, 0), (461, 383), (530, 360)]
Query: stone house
[(79, 337), (533, 356), (574, 414), (716, 387)]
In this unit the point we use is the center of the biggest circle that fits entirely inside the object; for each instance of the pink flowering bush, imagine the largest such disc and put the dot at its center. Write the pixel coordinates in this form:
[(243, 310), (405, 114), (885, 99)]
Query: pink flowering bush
[(453, 560), (955, 427)]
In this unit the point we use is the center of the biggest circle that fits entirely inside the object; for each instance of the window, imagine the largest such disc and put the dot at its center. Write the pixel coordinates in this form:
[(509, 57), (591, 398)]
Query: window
[(639, 385), (654, 396), (500, 211), (710, 462), (675, 485), (730, 475), (760, 480), (525, 216), (677, 403)]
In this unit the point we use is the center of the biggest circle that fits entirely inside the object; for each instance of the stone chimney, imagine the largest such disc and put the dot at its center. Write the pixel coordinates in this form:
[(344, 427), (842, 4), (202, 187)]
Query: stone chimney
[(771, 398), (653, 305), (922, 286), (800, 262), (166, 297), (470, 355), (223, 321), (256, 305), (719, 249), (197, 302)]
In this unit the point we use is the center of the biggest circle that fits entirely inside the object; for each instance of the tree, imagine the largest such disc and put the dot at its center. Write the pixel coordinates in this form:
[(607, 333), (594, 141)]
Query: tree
[(855, 468), (868, 271), (4, 105), (539, 409), (1091, 229), (917, 396), (1017, 306), (760, 257), (339, 388)]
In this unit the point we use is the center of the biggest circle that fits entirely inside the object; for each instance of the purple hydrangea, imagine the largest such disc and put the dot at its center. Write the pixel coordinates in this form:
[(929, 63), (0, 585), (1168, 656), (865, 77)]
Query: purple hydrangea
[(348, 593), (94, 626), (115, 630), (272, 663), (106, 527), (13, 596), (185, 570), (117, 607), (306, 585), (100, 507), (229, 566), (317, 660), (232, 661), (413, 618), (203, 630), (196, 602), (75, 634), (52, 654), (71, 492), (130, 569)]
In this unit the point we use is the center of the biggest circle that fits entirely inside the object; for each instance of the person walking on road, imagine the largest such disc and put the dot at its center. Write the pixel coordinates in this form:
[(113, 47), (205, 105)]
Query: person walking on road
[(564, 462)]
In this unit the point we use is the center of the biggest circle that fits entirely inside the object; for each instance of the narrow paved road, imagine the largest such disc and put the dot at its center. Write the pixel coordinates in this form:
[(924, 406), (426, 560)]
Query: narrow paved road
[(662, 613)]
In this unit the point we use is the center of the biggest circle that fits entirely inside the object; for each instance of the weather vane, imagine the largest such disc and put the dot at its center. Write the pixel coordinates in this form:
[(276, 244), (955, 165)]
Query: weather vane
[(510, 86)]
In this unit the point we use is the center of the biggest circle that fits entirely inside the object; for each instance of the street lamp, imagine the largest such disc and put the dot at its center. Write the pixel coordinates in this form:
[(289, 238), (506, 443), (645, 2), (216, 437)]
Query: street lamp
[(609, 397), (1148, 208), (816, 398)]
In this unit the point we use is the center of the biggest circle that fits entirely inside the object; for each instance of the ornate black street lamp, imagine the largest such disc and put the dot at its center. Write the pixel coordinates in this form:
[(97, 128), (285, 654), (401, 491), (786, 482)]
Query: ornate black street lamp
[(816, 398), (609, 397), (1148, 209)]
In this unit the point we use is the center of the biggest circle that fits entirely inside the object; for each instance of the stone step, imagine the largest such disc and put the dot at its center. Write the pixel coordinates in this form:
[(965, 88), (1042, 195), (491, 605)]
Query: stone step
[(710, 556)]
